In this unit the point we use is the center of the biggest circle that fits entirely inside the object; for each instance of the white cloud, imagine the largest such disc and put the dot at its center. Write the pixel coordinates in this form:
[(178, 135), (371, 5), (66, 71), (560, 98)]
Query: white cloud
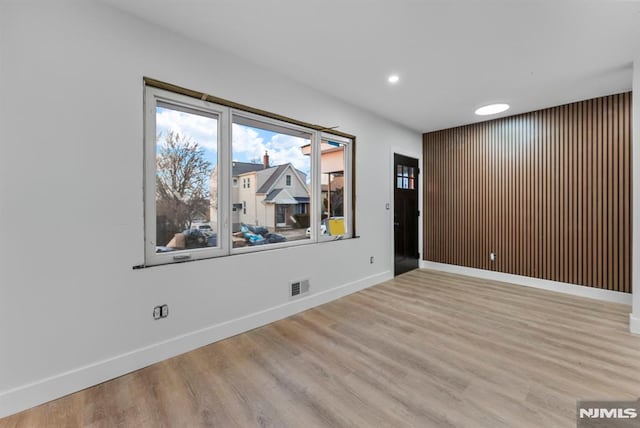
[(247, 143), (287, 149), (201, 129)]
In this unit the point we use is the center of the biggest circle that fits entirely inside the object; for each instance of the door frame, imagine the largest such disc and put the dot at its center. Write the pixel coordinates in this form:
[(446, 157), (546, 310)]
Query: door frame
[(284, 215), (391, 210)]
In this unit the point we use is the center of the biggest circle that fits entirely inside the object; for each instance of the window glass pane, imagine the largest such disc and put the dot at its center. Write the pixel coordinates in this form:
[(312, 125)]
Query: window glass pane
[(399, 171), (405, 171), (405, 183), (411, 172), (332, 168), (411, 183), (277, 167), (399, 183), (186, 165)]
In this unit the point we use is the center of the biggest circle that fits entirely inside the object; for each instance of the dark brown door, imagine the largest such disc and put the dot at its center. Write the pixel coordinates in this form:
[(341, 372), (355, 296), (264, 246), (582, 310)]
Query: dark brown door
[(405, 219)]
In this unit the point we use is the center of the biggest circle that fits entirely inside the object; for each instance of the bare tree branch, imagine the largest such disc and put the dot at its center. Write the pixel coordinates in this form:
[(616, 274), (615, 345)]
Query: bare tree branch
[(182, 176)]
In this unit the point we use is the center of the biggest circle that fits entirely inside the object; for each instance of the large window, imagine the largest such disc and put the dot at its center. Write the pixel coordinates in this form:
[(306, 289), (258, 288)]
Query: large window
[(220, 181)]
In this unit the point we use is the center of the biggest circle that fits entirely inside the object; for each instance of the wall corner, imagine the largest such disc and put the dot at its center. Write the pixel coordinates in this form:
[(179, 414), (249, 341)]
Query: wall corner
[(634, 324), (634, 318)]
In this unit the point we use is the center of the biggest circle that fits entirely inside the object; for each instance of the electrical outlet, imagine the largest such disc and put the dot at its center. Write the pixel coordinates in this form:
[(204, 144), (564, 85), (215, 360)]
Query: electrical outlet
[(371, 260), (492, 257), (164, 311), (157, 313)]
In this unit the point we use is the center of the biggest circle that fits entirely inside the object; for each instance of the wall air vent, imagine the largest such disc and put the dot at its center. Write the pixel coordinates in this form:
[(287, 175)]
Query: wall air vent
[(299, 287), (295, 288)]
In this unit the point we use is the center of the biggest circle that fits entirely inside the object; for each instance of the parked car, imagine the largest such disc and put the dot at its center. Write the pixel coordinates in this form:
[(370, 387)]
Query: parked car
[(323, 229), (205, 228)]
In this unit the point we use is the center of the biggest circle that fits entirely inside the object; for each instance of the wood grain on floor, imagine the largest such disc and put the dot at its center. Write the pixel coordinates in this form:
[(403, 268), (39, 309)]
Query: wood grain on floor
[(427, 349)]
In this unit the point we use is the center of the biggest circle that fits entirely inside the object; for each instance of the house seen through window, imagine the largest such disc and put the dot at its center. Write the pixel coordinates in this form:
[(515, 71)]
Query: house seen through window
[(275, 208)]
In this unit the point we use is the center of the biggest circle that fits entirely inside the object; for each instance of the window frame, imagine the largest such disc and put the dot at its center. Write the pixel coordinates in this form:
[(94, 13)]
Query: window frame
[(152, 97), (255, 120), (225, 113), (348, 189)]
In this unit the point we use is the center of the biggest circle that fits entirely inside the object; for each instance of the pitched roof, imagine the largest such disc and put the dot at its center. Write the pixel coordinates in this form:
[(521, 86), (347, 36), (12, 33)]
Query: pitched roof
[(272, 195), (239, 168), (277, 172), (281, 196)]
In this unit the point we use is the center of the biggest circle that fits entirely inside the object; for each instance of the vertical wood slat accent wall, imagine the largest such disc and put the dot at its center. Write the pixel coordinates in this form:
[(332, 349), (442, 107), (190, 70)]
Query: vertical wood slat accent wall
[(547, 191)]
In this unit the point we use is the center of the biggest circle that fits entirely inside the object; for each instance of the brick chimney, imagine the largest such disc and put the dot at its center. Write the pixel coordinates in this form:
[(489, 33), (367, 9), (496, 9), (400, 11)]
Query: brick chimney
[(265, 159)]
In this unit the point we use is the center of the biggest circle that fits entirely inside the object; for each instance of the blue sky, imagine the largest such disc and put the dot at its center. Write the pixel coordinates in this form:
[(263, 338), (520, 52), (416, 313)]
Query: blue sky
[(249, 144)]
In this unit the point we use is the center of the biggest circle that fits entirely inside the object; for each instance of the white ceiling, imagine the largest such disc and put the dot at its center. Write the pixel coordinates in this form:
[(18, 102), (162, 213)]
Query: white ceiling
[(452, 56)]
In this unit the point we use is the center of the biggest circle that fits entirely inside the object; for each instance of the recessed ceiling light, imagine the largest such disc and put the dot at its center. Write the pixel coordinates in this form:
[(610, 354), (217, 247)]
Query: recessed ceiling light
[(393, 78), (492, 109)]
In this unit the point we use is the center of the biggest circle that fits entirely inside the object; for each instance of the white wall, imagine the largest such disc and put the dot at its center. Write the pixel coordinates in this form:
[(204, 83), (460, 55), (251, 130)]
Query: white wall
[(73, 312), (634, 321)]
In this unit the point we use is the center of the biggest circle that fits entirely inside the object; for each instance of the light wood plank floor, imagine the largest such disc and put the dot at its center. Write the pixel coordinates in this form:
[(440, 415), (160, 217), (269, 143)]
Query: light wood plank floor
[(426, 349)]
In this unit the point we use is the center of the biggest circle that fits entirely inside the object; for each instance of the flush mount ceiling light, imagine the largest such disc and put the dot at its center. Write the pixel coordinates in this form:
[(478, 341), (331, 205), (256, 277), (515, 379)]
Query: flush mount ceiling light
[(394, 78), (492, 109)]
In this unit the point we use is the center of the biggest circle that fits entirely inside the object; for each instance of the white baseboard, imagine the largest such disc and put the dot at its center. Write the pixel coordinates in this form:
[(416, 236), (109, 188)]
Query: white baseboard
[(634, 324), (33, 394), (562, 287)]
